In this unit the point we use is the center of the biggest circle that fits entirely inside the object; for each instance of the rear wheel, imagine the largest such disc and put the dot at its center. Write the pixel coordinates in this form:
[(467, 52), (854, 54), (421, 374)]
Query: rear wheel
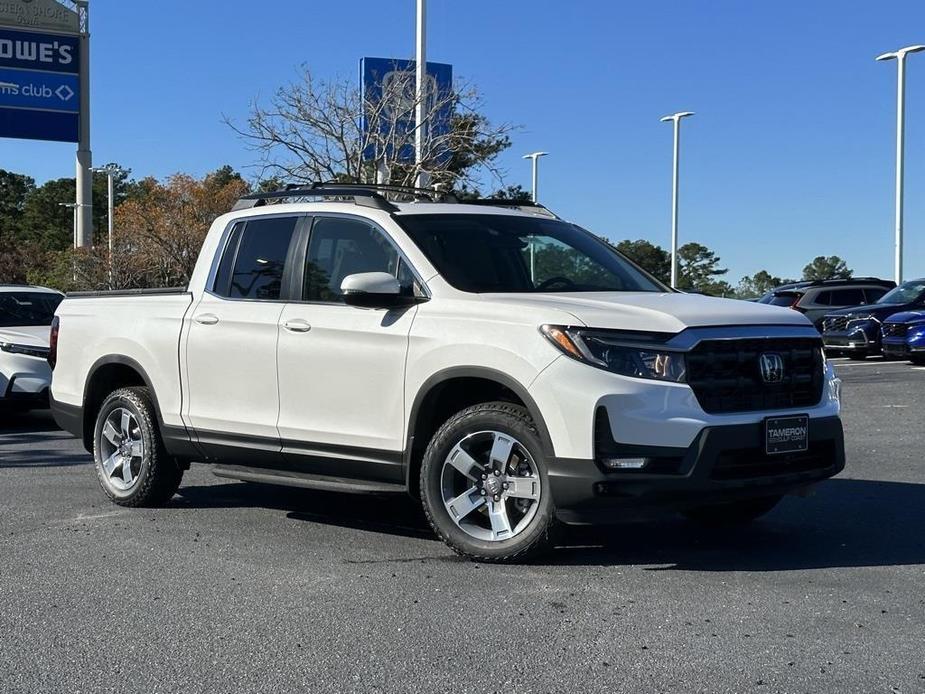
[(132, 465), (484, 484), (732, 514), (918, 359)]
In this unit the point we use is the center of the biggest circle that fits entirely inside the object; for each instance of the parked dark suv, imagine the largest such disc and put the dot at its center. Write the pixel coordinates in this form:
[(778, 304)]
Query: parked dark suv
[(817, 298), (856, 331)]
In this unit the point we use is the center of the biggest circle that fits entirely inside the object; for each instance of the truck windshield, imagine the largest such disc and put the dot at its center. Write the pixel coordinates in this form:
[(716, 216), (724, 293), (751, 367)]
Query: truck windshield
[(905, 293), (500, 253), (23, 309)]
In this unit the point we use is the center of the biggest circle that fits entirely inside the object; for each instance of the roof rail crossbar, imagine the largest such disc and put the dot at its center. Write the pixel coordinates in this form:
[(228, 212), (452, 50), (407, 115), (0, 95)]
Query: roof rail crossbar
[(418, 194), (359, 196)]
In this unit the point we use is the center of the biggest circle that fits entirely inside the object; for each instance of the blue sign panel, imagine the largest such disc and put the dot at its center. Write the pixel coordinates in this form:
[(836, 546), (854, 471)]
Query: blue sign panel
[(48, 52), (393, 78), (39, 125), (47, 91), (39, 86)]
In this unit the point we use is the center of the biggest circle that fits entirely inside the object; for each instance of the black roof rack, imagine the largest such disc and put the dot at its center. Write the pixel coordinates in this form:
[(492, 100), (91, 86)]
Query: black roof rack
[(808, 284), (360, 195), (374, 195)]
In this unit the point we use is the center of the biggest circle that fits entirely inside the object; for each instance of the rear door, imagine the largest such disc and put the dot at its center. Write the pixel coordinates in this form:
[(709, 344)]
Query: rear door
[(342, 368), (232, 400)]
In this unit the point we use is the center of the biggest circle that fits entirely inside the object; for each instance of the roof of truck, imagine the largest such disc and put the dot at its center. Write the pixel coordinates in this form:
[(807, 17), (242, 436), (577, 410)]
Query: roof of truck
[(400, 200)]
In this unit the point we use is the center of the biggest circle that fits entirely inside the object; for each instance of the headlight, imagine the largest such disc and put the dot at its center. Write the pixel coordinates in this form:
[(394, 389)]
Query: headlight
[(28, 350), (629, 354)]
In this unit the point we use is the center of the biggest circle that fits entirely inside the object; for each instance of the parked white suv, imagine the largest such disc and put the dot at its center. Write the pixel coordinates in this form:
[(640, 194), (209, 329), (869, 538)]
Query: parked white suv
[(508, 367), (25, 314)]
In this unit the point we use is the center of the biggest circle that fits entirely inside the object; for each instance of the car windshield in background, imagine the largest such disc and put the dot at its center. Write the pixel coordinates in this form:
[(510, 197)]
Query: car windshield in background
[(22, 309), (905, 293), (501, 253)]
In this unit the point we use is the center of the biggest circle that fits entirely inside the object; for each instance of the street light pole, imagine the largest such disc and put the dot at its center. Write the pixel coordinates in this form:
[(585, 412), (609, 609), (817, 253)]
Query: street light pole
[(900, 57), (111, 171), (420, 107), (535, 156), (675, 118)]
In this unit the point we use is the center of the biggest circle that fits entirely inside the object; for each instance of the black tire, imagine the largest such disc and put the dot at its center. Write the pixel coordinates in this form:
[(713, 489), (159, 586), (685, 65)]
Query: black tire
[(158, 476), (512, 420), (918, 360), (857, 357), (732, 514)]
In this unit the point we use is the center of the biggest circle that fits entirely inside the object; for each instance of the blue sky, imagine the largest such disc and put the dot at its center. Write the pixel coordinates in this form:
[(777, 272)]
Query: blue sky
[(790, 154)]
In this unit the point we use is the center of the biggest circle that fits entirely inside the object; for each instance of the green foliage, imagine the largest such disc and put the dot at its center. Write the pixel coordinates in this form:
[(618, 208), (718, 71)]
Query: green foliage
[(653, 259), (14, 188), (699, 270), (827, 268), (758, 284)]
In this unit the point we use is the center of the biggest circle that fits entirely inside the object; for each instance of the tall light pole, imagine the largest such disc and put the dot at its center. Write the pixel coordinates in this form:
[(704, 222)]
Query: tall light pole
[(84, 155), (900, 57), (111, 171), (420, 107), (535, 156), (75, 208), (676, 119)]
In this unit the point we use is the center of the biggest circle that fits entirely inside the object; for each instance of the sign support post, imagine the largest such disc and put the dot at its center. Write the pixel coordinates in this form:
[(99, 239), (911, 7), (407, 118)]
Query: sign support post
[(84, 154)]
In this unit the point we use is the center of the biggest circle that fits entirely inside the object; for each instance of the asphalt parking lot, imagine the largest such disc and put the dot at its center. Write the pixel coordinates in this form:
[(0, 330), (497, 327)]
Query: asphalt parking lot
[(239, 587)]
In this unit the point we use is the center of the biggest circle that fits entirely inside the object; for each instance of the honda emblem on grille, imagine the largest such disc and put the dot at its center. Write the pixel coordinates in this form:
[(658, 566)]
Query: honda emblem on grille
[(772, 367)]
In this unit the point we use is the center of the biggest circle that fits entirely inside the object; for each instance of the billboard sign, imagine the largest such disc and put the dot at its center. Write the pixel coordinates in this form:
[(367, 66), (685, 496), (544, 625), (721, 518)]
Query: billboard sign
[(389, 84), (39, 15), (39, 85)]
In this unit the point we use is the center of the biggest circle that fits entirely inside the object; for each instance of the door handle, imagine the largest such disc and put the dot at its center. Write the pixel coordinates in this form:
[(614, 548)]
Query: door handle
[(206, 319), (297, 326)]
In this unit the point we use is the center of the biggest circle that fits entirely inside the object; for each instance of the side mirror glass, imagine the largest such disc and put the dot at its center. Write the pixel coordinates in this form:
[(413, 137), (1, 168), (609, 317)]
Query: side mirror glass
[(373, 290)]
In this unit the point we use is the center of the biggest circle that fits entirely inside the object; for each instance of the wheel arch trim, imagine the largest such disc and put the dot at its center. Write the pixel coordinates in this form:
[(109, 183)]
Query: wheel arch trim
[(484, 373)]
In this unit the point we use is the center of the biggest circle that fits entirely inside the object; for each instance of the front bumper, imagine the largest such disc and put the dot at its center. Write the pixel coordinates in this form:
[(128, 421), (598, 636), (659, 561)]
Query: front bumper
[(724, 463), (853, 342)]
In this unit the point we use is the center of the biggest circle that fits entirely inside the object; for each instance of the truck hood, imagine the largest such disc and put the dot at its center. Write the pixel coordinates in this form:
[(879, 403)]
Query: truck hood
[(651, 311), (33, 336)]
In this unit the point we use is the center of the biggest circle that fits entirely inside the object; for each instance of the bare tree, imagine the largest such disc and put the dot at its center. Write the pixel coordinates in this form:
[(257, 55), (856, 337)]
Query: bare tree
[(313, 130)]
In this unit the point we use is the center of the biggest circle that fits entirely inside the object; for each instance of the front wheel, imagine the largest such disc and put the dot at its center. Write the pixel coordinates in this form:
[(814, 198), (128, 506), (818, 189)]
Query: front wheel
[(132, 465), (918, 359), (484, 484), (732, 514)]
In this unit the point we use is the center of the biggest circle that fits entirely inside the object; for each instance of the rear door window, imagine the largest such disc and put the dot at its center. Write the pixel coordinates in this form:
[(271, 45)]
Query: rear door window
[(254, 261)]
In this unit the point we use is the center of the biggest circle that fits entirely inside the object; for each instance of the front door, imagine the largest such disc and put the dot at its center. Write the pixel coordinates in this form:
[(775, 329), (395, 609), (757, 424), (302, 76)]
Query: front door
[(342, 368)]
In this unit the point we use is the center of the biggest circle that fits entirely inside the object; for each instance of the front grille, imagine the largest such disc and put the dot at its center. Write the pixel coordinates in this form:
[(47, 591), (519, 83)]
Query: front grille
[(748, 463), (835, 324), (725, 375), (895, 329)]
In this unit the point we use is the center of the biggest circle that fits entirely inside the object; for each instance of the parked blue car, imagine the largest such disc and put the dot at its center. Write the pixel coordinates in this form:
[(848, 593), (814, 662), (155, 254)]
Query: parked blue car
[(904, 336), (856, 332)]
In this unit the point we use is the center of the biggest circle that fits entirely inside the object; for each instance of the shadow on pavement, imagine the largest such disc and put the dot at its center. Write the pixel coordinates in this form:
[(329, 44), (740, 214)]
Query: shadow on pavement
[(395, 514), (848, 523), (25, 438)]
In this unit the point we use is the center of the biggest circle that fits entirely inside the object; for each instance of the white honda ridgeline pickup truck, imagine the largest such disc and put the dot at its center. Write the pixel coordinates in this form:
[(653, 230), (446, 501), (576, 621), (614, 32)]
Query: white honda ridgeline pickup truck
[(507, 367)]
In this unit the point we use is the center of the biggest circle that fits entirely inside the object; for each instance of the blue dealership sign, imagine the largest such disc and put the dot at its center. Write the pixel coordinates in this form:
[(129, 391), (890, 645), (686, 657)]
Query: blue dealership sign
[(395, 119), (39, 86)]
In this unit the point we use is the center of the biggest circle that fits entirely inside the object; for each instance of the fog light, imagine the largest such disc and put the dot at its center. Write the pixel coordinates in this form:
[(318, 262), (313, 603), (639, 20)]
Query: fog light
[(625, 463)]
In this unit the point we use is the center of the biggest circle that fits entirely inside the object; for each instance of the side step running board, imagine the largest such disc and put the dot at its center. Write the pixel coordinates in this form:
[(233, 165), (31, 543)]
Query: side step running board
[(300, 479)]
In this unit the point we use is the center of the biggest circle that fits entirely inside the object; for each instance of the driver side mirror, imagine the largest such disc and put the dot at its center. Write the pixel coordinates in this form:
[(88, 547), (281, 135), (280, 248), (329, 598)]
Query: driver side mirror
[(373, 290)]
